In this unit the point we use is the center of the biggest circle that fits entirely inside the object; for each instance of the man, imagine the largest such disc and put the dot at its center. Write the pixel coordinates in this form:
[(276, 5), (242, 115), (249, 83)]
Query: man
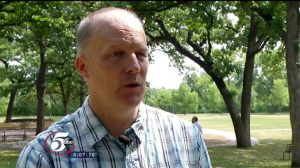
[(113, 59), (195, 122)]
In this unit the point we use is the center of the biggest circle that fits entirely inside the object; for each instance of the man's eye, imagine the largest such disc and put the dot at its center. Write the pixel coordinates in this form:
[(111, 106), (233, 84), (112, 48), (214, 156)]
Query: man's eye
[(140, 54), (117, 54)]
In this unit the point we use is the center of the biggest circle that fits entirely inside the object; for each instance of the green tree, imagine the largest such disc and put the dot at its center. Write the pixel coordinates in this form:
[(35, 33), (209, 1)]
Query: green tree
[(150, 95), (272, 67), (164, 100), (279, 95), (213, 98), (45, 29), (17, 70), (185, 100)]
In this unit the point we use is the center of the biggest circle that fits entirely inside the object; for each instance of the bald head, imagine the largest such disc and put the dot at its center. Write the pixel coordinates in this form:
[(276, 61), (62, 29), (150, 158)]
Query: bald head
[(104, 21)]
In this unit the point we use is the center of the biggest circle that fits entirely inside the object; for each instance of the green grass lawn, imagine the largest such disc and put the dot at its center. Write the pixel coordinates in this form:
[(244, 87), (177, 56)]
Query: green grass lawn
[(268, 153), (8, 159), (257, 122), (222, 121)]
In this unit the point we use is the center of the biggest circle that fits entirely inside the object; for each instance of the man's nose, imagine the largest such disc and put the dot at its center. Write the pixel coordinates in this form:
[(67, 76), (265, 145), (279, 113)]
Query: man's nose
[(133, 65)]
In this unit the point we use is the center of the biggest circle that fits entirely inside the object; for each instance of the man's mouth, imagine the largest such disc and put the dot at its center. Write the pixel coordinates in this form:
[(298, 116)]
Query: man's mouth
[(133, 85)]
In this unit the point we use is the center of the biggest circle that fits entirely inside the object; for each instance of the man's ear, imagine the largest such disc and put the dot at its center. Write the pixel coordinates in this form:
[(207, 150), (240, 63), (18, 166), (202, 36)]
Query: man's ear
[(81, 66)]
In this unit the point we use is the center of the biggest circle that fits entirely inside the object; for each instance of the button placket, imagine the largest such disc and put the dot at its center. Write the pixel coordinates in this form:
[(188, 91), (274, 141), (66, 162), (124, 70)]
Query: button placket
[(131, 159)]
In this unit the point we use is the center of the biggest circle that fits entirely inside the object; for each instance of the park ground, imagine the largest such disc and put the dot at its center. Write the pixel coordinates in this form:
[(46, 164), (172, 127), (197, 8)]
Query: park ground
[(271, 130)]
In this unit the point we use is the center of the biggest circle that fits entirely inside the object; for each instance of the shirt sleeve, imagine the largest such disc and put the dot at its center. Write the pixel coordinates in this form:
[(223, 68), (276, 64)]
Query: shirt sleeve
[(204, 159), (32, 158)]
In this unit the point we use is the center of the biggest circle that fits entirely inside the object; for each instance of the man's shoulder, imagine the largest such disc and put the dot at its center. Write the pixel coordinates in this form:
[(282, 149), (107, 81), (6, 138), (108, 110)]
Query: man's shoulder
[(153, 112), (66, 124), (171, 125)]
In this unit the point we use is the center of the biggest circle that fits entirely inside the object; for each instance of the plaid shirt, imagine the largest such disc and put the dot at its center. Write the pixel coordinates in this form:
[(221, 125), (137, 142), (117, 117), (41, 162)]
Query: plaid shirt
[(159, 140)]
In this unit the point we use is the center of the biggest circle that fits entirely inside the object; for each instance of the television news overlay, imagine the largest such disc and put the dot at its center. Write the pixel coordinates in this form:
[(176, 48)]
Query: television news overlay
[(61, 144), (19, 144)]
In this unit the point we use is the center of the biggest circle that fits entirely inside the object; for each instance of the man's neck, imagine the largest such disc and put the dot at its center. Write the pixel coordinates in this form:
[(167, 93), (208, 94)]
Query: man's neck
[(115, 121)]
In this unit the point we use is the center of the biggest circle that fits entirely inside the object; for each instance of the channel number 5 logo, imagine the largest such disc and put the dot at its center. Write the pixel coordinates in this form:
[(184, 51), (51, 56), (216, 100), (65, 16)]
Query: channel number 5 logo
[(59, 143)]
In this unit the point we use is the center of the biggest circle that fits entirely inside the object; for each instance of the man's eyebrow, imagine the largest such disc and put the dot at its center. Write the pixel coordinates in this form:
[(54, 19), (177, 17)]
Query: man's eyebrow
[(113, 47), (144, 48)]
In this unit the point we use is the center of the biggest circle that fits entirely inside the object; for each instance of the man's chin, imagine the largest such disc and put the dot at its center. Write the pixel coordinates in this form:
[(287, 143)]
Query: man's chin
[(131, 101)]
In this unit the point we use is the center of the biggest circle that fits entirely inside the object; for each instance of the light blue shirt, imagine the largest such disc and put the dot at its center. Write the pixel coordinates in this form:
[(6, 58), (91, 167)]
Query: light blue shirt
[(159, 140)]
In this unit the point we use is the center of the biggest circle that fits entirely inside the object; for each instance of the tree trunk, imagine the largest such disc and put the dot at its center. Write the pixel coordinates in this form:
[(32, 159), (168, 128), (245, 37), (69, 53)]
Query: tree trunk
[(66, 107), (293, 76), (272, 107), (41, 86), (280, 108), (247, 89), (65, 96), (10, 105), (241, 137), (81, 94), (248, 78), (246, 95)]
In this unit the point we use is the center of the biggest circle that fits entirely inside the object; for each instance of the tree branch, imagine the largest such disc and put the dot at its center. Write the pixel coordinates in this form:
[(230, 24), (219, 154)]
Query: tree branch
[(11, 79), (263, 45), (209, 43), (156, 9), (4, 62), (233, 29), (260, 41), (210, 17), (59, 78), (52, 98), (255, 3), (56, 63), (193, 45), (21, 80), (155, 39), (179, 48), (54, 92), (8, 11), (62, 90), (268, 19)]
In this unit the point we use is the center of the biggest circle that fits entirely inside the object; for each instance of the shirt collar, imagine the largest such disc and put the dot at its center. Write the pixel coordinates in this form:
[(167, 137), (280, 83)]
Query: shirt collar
[(94, 131), (139, 124)]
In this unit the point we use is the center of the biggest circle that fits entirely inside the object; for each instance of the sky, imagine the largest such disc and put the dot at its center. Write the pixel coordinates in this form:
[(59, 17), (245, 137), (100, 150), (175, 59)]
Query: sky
[(160, 74)]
